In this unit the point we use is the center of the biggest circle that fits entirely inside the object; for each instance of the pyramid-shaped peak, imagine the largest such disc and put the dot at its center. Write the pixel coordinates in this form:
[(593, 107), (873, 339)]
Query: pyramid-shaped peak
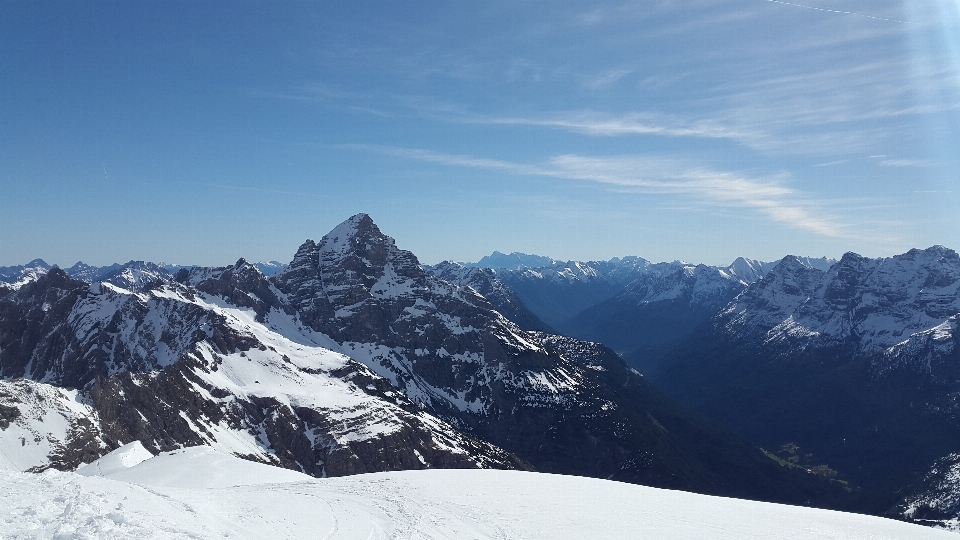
[(359, 233), (792, 263), (354, 225), (79, 266)]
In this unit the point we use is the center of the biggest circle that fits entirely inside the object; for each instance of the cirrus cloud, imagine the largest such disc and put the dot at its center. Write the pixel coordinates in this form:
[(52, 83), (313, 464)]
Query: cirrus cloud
[(769, 197)]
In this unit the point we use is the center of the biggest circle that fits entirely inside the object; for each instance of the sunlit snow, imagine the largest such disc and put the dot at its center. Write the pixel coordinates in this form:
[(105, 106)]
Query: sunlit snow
[(199, 493)]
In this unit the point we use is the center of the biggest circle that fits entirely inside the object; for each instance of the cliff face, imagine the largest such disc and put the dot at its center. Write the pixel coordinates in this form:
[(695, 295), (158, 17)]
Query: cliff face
[(856, 366)]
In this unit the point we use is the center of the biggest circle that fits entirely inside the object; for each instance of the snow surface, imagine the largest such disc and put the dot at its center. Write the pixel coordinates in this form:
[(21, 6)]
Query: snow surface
[(291, 365), (195, 467), (47, 414), (175, 496), (121, 459)]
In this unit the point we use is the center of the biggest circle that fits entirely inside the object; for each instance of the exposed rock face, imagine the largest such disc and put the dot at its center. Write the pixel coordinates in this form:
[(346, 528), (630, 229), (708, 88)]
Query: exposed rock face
[(858, 365), (376, 301), (485, 282), (352, 359), (242, 285), (66, 332), (220, 363), (564, 405)]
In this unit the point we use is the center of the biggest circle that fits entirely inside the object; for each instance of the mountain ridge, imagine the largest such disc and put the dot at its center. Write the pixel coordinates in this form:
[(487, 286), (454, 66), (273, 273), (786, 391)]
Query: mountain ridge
[(856, 366), (223, 356)]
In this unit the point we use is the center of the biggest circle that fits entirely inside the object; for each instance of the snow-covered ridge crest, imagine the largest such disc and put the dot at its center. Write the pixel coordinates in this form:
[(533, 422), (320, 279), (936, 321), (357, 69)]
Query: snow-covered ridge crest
[(888, 306), (699, 284), (210, 364), (14, 277), (198, 493), (922, 347), (486, 283), (771, 301)]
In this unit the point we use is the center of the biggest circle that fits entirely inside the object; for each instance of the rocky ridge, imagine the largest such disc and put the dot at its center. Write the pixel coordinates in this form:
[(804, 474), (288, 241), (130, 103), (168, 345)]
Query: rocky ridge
[(175, 366), (353, 358), (857, 365), (563, 405), (486, 283)]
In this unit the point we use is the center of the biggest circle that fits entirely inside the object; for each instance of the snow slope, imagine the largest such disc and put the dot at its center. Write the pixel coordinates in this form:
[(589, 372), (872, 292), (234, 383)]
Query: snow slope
[(191, 503), (903, 307), (174, 367), (194, 467)]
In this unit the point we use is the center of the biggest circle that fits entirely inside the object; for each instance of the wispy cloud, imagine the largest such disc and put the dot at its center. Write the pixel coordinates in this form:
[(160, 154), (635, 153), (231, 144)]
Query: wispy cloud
[(832, 163), (588, 122), (839, 12), (770, 197), (904, 163), (835, 111), (449, 159)]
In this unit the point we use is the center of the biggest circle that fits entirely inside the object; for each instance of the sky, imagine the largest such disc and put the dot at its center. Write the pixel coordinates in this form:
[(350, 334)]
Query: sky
[(701, 130)]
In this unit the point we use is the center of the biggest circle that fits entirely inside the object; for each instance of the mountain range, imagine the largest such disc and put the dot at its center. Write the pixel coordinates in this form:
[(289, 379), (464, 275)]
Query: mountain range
[(351, 359), (813, 381), (854, 369), (636, 307), (846, 369)]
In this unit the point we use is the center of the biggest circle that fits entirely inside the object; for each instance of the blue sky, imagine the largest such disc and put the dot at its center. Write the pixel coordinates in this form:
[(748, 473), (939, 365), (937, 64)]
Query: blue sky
[(702, 130)]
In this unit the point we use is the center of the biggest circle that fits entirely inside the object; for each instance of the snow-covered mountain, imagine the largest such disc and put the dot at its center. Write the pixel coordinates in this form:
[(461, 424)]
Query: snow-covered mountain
[(200, 493), (561, 290), (893, 305), (563, 405), (857, 365), (201, 363), (662, 305), (17, 276), (132, 275), (352, 359), (513, 261), (635, 306), (486, 282)]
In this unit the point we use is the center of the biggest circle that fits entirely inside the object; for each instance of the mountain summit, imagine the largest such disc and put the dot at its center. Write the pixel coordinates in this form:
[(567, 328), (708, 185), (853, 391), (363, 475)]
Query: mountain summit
[(354, 358), (513, 261)]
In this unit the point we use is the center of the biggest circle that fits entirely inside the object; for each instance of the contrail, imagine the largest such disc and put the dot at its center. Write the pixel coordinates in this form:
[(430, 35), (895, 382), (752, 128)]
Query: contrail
[(839, 11)]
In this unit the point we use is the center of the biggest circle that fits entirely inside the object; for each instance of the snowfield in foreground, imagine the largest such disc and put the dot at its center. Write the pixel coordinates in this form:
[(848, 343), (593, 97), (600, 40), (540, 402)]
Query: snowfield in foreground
[(200, 493)]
